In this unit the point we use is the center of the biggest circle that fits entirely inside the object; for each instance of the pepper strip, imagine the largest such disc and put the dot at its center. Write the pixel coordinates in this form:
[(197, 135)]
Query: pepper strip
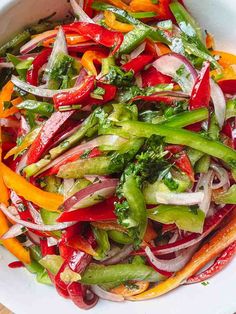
[(88, 59), (28, 191), (225, 237), (5, 95), (97, 33), (181, 137), (110, 20), (220, 263)]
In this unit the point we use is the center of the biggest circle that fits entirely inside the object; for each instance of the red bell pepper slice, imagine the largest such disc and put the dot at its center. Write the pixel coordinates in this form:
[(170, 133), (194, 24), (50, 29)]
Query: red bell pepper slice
[(47, 135), (78, 294), (184, 164), (110, 94), (39, 61), (65, 99), (99, 212), (201, 92), (97, 33), (174, 149), (95, 152), (228, 86), (88, 7), (152, 77), (220, 263), (137, 64)]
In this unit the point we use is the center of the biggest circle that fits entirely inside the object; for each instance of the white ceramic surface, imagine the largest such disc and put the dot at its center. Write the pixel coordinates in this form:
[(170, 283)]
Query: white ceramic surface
[(18, 289)]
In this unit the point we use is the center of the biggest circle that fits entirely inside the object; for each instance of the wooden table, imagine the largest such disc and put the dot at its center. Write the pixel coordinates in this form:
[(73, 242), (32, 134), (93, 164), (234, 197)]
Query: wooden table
[(4, 310)]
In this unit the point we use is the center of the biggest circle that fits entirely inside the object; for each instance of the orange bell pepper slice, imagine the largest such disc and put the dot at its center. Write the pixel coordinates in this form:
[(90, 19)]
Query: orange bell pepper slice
[(15, 182), (119, 4), (150, 233), (71, 39), (88, 59), (79, 243), (110, 20), (12, 245), (220, 241), (15, 102), (143, 6), (27, 141), (210, 41), (228, 63), (5, 95), (126, 291)]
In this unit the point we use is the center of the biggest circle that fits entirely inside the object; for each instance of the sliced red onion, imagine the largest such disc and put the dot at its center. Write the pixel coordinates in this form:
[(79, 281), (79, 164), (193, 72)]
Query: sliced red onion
[(30, 225), (137, 51), (14, 231), (124, 252), (9, 123), (179, 68), (97, 18), (219, 102), (222, 176), (91, 195), (37, 40), (79, 12), (34, 238), (139, 80), (94, 178), (51, 241), (60, 46), (204, 184), (6, 65), (38, 91), (105, 295), (179, 198), (174, 264), (67, 184), (80, 78), (35, 214)]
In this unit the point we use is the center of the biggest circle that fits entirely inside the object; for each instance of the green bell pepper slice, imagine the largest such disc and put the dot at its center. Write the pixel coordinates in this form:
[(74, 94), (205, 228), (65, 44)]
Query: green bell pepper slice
[(228, 197), (101, 237), (182, 137), (96, 274), (119, 237), (183, 216), (39, 107)]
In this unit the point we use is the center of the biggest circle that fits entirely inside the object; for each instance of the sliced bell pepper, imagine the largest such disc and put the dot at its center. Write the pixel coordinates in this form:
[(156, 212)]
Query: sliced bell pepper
[(5, 95), (99, 212), (228, 86), (98, 274), (110, 20), (39, 61), (88, 7), (71, 39), (65, 100), (128, 291), (182, 216), (156, 49), (4, 194), (47, 135), (210, 41), (137, 206), (181, 137), (109, 94), (27, 141), (78, 242), (227, 197), (88, 59), (161, 8), (220, 263), (184, 164), (28, 191), (225, 59), (13, 245), (201, 93), (137, 64), (152, 77), (97, 33), (220, 241), (119, 4)]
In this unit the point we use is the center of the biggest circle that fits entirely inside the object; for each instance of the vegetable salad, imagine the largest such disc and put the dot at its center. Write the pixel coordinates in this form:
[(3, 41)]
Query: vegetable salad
[(118, 160)]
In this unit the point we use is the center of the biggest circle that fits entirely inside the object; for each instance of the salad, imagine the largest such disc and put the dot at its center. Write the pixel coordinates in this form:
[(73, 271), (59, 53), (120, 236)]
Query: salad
[(118, 160)]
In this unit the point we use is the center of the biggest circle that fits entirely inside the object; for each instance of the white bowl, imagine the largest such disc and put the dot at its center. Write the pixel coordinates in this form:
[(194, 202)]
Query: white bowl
[(18, 289)]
